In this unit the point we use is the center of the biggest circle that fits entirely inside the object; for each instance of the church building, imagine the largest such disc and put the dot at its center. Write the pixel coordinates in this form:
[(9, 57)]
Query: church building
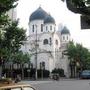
[(45, 44)]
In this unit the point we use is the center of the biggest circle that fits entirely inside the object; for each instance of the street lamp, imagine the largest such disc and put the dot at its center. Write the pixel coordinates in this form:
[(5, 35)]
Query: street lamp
[(42, 68), (36, 54)]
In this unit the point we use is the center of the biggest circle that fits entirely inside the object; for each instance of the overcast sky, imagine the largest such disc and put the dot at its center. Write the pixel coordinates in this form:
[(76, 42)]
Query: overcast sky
[(61, 14)]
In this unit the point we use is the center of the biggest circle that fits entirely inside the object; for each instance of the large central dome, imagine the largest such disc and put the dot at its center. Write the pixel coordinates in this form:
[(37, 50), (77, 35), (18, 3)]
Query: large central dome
[(49, 19), (38, 14)]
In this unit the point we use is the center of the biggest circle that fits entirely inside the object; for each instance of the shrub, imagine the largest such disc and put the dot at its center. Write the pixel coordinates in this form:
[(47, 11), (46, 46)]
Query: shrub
[(59, 71)]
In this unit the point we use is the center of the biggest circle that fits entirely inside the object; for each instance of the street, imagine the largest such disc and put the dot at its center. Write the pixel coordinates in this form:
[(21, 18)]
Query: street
[(61, 85)]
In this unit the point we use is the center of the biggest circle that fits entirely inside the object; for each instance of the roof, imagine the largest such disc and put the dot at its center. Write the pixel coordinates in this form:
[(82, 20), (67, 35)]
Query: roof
[(38, 14), (13, 85), (49, 19), (65, 31)]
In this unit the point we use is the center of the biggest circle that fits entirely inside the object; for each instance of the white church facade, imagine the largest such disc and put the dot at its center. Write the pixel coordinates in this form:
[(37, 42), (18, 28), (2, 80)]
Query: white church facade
[(45, 43)]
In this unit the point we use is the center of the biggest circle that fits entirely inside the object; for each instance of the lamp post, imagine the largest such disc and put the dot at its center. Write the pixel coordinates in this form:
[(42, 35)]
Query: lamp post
[(42, 69), (36, 54)]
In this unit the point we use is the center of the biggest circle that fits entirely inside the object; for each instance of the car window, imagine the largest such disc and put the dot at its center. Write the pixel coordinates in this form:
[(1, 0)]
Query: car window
[(15, 89), (11, 89), (28, 88)]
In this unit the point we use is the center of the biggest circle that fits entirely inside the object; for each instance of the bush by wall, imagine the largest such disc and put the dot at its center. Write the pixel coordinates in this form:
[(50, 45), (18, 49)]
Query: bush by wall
[(59, 71)]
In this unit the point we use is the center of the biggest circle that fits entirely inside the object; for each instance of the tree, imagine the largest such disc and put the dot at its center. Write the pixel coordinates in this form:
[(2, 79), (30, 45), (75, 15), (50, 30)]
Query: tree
[(22, 58), (14, 37), (81, 7), (5, 6), (12, 40), (78, 56), (71, 52)]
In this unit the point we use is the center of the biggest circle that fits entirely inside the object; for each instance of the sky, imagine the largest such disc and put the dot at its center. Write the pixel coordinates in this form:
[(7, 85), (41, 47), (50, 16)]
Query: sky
[(58, 10)]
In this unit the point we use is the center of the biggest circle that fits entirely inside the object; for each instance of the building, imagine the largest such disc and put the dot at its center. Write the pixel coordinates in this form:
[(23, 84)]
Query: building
[(12, 13), (45, 43)]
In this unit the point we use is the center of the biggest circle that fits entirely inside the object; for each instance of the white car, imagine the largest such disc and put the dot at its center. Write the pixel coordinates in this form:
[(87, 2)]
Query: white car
[(15, 86)]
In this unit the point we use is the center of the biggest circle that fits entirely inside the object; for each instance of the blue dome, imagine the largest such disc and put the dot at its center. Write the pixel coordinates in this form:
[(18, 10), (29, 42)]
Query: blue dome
[(49, 19), (65, 31), (39, 14)]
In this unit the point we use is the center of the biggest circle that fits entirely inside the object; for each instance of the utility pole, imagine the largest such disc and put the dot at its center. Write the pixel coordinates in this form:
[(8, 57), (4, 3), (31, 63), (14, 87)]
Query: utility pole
[(36, 54)]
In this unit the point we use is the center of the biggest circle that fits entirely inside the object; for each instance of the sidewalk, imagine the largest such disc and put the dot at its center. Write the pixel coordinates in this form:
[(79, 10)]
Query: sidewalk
[(48, 79)]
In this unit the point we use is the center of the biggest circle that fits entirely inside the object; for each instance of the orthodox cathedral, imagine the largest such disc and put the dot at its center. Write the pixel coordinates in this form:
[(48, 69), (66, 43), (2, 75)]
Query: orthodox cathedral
[(46, 44)]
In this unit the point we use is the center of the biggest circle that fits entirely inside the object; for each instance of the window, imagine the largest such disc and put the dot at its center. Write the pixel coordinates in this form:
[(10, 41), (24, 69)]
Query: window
[(17, 88), (46, 28), (42, 65), (67, 37), (45, 41), (28, 88), (63, 37), (32, 28), (50, 27), (41, 27), (56, 42), (50, 41)]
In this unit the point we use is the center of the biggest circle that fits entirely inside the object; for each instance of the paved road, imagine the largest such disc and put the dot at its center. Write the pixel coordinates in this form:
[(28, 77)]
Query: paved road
[(61, 85)]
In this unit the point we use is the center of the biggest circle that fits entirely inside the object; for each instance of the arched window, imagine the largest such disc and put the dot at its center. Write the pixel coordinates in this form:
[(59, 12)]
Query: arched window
[(32, 28), (67, 37), (45, 41), (46, 28), (50, 27), (41, 27), (56, 42), (50, 41), (63, 37), (42, 65)]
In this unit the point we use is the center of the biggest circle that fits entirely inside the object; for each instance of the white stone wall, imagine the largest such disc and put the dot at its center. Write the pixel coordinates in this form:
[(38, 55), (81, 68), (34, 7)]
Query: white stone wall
[(37, 24), (65, 38), (47, 27), (43, 57)]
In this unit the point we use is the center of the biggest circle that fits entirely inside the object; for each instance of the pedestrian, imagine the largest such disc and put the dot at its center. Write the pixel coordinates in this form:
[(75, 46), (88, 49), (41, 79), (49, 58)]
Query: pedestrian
[(17, 79)]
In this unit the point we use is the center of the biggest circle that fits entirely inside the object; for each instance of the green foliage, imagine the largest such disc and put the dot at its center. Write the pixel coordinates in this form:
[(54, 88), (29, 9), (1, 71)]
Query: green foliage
[(4, 20), (59, 71), (87, 62), (13, 37), (6, 5), (79, 54), (79, 6), (21, 58)]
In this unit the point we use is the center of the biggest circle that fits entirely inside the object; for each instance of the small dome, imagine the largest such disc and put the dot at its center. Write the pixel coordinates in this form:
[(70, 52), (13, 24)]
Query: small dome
[(38, 14), (65, 31), (49, 19)]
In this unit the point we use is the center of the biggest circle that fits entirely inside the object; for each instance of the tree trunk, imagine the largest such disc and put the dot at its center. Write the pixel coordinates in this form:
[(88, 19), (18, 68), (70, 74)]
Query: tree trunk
[(0, 72), (22, 72), (71, 72)]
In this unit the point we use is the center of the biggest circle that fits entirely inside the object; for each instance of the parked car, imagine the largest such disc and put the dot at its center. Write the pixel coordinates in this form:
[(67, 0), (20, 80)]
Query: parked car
[(15, 86), (85, 74)]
